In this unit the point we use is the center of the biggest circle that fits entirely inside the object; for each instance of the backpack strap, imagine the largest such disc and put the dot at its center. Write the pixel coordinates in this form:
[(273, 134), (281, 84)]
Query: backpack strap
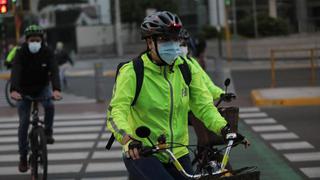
[(139, 70), (118, 68), (185, 70), (110, 142)]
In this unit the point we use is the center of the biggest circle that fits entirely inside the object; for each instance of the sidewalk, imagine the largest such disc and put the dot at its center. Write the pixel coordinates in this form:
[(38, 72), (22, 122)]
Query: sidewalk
[(292, 96), (279, 96)]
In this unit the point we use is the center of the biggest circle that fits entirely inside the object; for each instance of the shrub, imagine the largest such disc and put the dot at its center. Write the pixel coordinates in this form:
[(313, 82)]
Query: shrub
[(267, 26)]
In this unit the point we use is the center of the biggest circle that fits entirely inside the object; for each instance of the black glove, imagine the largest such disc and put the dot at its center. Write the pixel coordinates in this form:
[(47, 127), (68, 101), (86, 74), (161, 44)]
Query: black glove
[(135, 144), (227, 130), (227, 97)]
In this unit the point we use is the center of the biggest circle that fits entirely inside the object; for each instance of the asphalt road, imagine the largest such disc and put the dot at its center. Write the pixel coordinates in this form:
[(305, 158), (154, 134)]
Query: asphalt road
[(300, 149)]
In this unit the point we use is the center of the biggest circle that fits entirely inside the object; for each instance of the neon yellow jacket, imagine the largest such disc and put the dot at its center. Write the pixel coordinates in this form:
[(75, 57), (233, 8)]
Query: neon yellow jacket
[(162, 105), (214, 90)]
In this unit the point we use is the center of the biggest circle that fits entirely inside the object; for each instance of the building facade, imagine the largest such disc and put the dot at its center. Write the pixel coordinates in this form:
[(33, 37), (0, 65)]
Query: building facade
[(302, 16)]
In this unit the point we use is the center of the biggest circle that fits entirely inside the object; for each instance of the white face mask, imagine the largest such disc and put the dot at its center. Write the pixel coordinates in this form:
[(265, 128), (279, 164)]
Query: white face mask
[(34, 47), (184, 50)]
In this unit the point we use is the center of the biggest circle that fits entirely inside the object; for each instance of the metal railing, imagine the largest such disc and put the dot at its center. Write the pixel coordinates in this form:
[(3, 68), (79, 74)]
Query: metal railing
[(312, 62)]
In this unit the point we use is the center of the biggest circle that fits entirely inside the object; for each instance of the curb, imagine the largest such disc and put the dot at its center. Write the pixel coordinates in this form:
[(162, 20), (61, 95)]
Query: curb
[(82, 73), (259, 100), (5, 76)]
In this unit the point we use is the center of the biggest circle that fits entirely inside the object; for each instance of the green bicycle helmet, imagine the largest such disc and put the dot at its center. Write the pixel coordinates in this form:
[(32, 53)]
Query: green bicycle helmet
[(34, 30)]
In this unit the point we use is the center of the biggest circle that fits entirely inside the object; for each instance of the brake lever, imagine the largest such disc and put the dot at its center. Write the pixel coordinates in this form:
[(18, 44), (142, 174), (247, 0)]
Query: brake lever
[(246, 143)]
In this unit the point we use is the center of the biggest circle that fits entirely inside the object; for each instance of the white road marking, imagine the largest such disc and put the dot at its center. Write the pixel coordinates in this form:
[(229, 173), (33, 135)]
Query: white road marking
[(55, 146), (269, 128), (51, 156), (14, 132), (89, 122), (58, 137), (311, 172), (106, 154), (58, 117), (77, 129), (62, 137), (279, 136), (71, 145), (292, 145), (57, 123), (301, 157), (248, 109), (102, 144), (106, 167), (252, 115), (65, 168), (260, 121)]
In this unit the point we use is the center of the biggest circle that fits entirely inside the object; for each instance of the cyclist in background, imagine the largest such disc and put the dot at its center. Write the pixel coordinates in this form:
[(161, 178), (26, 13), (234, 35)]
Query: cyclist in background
[(186, 52), (215, 91), (33, 69), (64, 62), (163, 103)]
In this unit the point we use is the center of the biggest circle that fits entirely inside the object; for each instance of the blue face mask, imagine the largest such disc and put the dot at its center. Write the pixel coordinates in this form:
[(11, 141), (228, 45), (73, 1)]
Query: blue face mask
[(169, 51)]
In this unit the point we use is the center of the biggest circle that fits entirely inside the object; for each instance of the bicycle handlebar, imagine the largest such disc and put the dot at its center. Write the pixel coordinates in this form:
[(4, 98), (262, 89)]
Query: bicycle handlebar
[(38, 99), (147, 151), (227, 97)]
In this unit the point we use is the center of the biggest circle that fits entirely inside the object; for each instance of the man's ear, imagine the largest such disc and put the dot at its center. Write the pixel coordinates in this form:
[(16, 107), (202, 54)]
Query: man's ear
[(149, 43)]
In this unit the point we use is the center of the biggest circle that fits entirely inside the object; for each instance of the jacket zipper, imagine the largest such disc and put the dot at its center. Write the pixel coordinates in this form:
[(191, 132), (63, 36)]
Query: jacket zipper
[(171, 108)]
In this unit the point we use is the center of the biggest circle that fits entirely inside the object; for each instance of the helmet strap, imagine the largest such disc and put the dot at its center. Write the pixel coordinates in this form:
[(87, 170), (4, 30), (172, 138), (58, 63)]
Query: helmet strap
[(155, 41)]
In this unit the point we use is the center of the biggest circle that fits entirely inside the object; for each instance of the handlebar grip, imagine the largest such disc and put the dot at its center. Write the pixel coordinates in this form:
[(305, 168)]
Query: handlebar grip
[(146, 151)]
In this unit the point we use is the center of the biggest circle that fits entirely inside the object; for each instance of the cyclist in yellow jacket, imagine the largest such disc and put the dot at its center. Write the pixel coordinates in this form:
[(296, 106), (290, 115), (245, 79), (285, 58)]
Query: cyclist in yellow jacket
[(163, 102)]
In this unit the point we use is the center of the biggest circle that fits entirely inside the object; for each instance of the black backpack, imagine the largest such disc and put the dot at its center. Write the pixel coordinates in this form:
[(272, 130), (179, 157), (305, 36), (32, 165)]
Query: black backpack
[(139, 71)]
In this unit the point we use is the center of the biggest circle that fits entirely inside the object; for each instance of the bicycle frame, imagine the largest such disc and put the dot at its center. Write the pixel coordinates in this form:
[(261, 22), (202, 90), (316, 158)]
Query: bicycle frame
[(178, 166), (37, 141)]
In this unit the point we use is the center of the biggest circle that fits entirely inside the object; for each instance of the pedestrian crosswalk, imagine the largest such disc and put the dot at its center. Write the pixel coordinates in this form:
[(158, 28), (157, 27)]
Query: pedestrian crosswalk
[(67, 99), (78, 153), (281, 139)]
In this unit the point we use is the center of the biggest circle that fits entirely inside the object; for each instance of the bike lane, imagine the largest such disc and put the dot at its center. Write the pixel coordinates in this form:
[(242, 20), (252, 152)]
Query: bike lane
[(270, 164)]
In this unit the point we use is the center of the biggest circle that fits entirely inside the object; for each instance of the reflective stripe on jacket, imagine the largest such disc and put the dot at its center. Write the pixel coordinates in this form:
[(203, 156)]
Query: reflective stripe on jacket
[(162, 105)]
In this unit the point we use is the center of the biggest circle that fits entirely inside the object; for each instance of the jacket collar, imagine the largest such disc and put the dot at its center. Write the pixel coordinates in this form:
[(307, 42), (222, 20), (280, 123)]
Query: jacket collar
[(149, 63)]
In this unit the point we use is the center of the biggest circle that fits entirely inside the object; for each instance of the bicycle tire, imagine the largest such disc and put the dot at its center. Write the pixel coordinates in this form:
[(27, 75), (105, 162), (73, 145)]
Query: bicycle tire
[(39, 157), (10, 101)]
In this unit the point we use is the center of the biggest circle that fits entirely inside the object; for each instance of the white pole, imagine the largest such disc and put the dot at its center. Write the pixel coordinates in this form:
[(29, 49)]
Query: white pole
[(118, 33), (273, 8)]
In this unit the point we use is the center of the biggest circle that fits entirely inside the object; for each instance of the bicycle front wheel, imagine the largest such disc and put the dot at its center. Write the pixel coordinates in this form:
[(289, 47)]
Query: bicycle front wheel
[(10, 101), (39, 156)]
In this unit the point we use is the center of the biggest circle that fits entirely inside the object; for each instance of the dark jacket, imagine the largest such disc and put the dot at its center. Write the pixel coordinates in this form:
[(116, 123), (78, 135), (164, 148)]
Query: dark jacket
[(62, 57), (31, 73)]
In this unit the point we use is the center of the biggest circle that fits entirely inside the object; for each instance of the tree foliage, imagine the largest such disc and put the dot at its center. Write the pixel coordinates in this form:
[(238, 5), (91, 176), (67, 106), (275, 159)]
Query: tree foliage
[(267, 26)]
